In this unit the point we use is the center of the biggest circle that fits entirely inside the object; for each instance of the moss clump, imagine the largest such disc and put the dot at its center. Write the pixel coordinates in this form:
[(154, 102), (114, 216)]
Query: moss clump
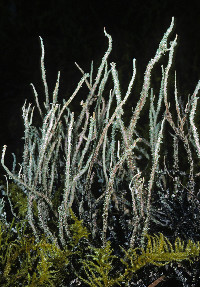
[(25, 262)]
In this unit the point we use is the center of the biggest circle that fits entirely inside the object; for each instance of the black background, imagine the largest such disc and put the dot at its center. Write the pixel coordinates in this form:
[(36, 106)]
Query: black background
[(73, 31)]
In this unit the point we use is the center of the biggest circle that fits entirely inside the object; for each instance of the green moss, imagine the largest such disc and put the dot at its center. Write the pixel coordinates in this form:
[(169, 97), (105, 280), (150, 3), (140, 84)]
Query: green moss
[(18, 200), (77, 229), (23, 262), (159, 252), (98, 268)]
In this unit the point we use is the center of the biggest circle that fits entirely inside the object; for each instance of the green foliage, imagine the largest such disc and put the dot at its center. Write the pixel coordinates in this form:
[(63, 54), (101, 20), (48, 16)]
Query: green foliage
[(77, 229), (98, 267), (18, 201), (159, 251), (25, 261)]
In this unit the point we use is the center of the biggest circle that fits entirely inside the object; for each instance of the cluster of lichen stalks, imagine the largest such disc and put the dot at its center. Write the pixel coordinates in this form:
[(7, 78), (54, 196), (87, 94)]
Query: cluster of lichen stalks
[(88, 168)]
